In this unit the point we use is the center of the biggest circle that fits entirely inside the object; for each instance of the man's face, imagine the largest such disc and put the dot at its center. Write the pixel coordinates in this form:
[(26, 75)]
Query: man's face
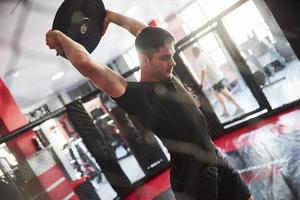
[(162, 62)]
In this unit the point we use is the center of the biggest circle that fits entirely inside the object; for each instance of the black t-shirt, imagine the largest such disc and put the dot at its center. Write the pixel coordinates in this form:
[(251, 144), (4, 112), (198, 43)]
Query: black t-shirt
[(168, 110)]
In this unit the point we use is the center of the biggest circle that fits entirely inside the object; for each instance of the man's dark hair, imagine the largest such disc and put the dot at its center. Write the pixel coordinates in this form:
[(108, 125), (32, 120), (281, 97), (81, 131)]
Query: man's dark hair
[(150, 39)]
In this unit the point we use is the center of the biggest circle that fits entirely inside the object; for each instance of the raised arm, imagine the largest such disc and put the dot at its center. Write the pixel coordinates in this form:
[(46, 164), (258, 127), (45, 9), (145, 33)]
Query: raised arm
[(106, 79), (132, 25), (202, 76)]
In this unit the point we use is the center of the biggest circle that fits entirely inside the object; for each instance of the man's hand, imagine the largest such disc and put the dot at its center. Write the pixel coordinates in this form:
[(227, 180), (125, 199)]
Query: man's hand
[(53, 42), (105, 78), (132, 25), (106, 21)]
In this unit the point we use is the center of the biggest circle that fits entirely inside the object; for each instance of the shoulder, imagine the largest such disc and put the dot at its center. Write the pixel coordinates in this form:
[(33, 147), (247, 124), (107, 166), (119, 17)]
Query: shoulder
[(136, 89), (136, 97)]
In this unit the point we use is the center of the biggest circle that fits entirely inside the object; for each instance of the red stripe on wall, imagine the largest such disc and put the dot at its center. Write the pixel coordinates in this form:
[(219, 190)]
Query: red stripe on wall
[(75, 197), (51, 176), (12, 118), (61, 191)]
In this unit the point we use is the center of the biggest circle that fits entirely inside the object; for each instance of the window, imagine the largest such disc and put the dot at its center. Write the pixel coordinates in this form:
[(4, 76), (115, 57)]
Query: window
[(132, 61), (212, 8), (193, 17)]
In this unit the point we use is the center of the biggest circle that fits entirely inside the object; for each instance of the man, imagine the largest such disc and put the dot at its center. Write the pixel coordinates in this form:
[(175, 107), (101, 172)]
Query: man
[(210, 73), (161, 104)]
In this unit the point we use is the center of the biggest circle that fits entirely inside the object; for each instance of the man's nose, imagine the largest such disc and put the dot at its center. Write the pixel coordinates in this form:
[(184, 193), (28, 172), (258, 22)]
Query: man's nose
[(172, 62)]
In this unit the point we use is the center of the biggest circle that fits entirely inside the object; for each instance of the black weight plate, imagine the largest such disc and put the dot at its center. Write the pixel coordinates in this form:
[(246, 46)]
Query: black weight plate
[(73, 13)]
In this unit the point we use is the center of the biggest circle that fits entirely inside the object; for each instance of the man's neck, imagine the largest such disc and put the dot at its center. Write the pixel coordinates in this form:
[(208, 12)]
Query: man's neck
[(146, 77)]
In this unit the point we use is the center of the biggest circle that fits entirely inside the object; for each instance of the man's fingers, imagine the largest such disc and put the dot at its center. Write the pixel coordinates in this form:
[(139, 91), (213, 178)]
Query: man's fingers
[(51, 45), (104, 29), (105, 26), (106, 22), (52, 42), (58, 53), (59, 50)]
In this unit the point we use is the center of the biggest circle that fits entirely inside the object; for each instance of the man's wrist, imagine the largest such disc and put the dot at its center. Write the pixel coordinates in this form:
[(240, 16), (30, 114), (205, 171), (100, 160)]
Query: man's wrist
[(111, 16)]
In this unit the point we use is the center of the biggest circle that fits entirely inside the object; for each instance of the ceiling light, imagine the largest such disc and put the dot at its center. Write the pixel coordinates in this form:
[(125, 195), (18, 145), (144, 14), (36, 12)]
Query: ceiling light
[(15, 74), (12, 73), (57, 76)]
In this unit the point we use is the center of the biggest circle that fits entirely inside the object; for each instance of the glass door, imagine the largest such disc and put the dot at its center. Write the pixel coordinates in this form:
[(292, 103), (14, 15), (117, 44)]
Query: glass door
[(266, 51), (217, 74), (246, 66)]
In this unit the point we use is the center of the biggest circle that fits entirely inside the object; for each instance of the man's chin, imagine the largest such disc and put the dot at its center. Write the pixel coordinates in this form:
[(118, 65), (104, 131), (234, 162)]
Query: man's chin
[(166, 77), (169, 76)]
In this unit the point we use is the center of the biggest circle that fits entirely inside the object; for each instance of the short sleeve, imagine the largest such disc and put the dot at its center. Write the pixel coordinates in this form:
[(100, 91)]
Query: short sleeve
[(133, 101)]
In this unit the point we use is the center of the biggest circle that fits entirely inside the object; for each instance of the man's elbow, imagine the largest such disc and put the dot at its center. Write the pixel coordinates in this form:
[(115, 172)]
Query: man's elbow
[(83, 64)]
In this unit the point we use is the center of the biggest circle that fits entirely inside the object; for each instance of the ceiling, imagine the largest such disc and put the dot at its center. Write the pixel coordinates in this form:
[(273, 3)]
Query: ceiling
[(27, 66)]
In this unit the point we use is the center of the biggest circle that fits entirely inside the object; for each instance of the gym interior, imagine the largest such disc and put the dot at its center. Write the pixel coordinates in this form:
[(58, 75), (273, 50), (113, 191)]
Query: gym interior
[(62, 138)]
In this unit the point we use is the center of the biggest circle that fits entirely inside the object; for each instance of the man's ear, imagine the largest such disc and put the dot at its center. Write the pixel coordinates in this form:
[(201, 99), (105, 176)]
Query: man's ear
[(144, 60)]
